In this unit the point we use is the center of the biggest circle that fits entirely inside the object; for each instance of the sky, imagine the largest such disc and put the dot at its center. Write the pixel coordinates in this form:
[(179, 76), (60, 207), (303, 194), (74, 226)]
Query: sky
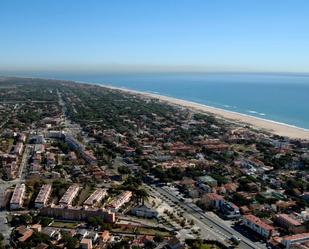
[(133, 35)]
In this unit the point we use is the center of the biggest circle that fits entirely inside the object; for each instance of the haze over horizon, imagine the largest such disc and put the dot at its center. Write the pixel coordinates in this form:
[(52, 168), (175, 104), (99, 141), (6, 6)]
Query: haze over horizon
[(156, 36)]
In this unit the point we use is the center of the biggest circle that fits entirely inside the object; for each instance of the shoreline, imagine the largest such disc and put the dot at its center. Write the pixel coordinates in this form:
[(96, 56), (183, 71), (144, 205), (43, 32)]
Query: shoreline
[(262, 124)]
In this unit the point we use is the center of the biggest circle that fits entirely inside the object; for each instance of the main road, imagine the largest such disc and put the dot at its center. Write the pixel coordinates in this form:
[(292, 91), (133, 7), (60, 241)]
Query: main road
[(216, 225)]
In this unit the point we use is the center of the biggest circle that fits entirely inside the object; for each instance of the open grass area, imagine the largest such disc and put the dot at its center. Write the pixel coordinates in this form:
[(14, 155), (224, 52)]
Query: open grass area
[(141, 230), (62, 224), (84, 195)]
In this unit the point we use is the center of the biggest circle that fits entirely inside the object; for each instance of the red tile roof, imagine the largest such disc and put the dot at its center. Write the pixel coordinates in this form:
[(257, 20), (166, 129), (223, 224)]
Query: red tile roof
[(289, 220), (214, 197), (258, 222)]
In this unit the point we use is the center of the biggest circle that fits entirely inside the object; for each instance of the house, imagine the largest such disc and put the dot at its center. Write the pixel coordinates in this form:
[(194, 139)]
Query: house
[(207, 180), (53, 233), (105, 236), (23, 233), (86, 244), (257, 225), (36, 227)]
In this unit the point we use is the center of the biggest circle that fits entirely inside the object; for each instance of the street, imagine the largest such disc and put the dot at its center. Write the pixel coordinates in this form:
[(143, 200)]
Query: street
[(215, 228)]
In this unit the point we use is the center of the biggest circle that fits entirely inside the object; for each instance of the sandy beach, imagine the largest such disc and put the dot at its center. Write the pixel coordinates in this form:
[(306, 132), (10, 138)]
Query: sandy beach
[(257, 123)]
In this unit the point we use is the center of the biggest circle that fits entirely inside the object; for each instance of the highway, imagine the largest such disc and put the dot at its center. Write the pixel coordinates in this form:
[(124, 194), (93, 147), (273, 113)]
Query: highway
[(216, 225)]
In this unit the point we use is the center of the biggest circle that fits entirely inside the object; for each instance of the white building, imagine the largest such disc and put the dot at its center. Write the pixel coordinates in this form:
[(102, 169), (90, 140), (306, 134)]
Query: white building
[(288, 241), (258, 226), (95, 197), (69, 195), (119, 200), (42, 198), (18, 196)]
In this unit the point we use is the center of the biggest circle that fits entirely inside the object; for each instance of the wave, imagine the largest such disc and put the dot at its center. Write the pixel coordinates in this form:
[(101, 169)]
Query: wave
[(258, 113)]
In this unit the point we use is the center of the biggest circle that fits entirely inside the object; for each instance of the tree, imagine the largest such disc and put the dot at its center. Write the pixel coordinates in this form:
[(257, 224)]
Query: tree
[(141, 195), (158, 238)]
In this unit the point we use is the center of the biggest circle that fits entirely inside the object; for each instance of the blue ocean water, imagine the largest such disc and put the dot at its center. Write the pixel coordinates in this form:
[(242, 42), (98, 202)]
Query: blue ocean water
[(281, 98)]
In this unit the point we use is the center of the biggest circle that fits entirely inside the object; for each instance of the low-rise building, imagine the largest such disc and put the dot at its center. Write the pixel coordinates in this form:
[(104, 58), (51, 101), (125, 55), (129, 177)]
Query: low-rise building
[(95, 197), (290, 223), (55, 134), (77, 213), (229, 210), (208, 180), (18, 148), (289, 241), (119, 200), (88, 157), (86, 244), (42, 198), (257, 225), (69, 195), (144, 211), (213, 200), (18, 196)]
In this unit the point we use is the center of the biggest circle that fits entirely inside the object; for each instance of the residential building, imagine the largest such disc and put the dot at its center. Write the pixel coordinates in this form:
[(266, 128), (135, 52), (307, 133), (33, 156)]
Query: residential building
[(290, 223), (229, 210), (77, 213), (257, 225), (42, 198), (69, 195), (86, 244), (18, 196), (55, 134), (289, 241), (95, 197), (18, 148), (208, 180), (119, 200), (213, 200)]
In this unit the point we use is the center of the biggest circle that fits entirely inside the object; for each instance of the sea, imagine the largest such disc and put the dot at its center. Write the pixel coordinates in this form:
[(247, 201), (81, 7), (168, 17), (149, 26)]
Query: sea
[(282, 98)]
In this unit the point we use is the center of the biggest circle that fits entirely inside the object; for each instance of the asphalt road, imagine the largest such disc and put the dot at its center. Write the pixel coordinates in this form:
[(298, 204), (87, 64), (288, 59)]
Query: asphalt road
[(216, 225)]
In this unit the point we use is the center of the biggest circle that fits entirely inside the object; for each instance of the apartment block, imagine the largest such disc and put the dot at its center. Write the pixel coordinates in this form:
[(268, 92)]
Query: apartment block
[(95, 197), (69, 195), (289, 241), (42, 198), (119, 200), (257, 225), (18, 195)]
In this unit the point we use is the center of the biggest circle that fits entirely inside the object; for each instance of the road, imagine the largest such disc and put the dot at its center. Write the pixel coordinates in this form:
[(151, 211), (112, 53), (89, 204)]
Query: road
[(217, 226), (205, 231), (5, 229)]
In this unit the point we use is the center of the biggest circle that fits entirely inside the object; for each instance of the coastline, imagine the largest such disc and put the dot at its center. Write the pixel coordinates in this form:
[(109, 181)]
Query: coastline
[(265, 125)]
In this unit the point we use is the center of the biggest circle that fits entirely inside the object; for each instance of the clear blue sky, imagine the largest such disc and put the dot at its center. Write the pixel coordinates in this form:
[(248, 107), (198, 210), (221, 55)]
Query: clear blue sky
[(241, 35)]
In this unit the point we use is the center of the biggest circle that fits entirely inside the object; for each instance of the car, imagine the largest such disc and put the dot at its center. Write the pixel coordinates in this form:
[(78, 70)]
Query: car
[(201, 217), (235, 239)]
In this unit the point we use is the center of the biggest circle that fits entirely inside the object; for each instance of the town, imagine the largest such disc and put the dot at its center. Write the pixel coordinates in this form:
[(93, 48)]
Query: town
[(85, 166)]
